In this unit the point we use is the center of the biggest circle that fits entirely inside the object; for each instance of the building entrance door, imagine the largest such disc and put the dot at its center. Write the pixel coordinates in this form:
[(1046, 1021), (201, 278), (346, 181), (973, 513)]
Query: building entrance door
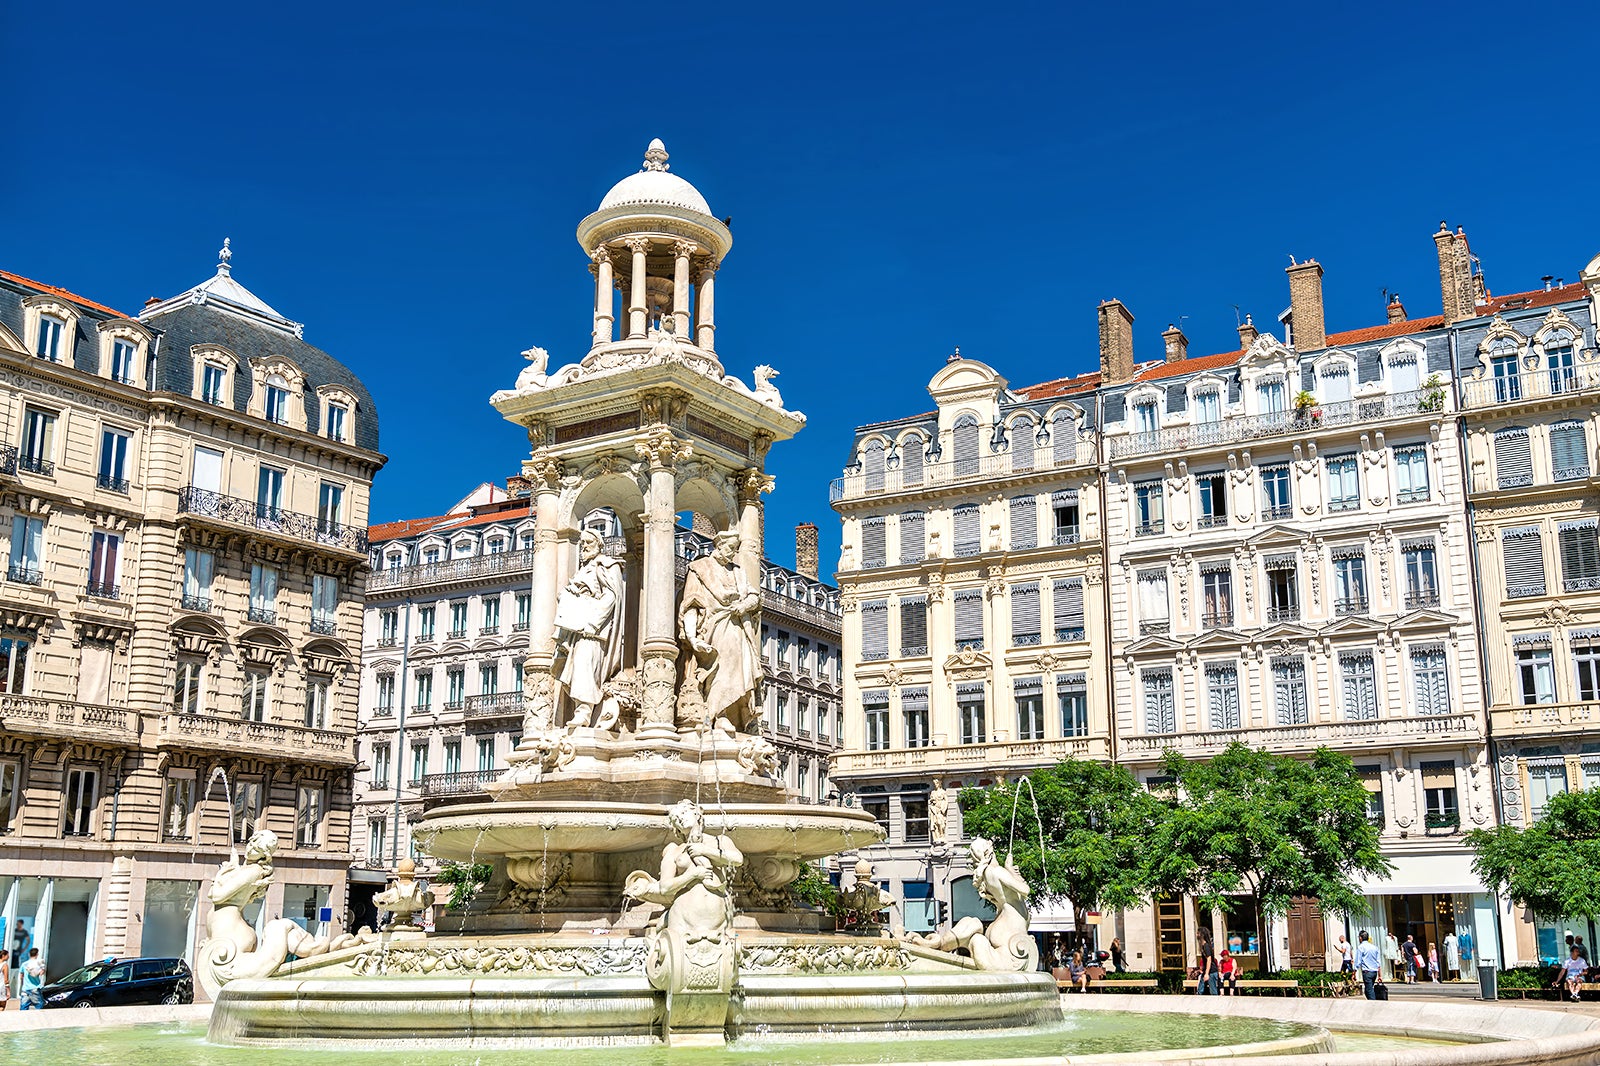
[(1308, 939), (1169, 933)]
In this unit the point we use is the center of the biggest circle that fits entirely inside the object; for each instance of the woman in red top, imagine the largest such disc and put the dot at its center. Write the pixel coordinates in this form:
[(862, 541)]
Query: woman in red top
[(1229, 972)]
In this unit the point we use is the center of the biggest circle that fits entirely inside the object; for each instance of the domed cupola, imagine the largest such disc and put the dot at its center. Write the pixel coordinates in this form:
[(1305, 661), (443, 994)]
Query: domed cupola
[(655, 247)]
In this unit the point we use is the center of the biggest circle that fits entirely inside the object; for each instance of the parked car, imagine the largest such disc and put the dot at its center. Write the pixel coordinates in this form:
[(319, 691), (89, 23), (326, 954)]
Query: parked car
[(118, 982)]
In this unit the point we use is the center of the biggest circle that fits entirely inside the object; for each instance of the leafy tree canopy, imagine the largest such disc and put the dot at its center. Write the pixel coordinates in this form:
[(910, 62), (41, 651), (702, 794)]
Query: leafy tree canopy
[(1097, 829), (1273, 826), (1553, 866)]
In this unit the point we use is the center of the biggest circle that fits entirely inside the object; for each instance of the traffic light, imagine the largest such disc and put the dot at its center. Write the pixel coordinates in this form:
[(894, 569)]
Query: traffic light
[(942, 917)]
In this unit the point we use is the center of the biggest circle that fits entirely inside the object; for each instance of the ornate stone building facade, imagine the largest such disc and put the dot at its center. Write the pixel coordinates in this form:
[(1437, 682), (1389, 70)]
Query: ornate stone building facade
[(185, 502)]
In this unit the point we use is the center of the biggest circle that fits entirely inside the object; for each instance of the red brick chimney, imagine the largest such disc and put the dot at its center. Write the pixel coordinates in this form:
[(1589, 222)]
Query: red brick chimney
[(1116, 343), (1456, 292), (1177, 344), (805, 549), (1305, 302), (1247, 333), (1396, 310)]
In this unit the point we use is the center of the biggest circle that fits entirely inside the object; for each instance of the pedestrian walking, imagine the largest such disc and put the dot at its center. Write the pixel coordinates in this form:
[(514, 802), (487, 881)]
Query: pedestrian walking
[(1347, 955), (33, 981), (5, 979), (1369, 964), (1119, 958), (1409, 957), (1209, 978)]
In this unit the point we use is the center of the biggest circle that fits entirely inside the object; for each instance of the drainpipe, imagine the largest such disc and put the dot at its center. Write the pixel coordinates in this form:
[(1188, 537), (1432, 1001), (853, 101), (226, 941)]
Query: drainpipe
[(400, 728)]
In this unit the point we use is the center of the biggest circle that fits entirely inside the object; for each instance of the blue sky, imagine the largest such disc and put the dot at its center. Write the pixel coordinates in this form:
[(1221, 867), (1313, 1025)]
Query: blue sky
[(406, 181)]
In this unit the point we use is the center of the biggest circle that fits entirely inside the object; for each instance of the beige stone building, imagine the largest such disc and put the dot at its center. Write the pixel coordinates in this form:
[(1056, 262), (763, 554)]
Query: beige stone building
[(1530, 391), (184, 499)]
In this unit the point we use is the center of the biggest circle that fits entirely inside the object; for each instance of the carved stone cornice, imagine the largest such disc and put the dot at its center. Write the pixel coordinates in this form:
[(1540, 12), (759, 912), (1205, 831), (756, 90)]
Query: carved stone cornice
[(663, 449)]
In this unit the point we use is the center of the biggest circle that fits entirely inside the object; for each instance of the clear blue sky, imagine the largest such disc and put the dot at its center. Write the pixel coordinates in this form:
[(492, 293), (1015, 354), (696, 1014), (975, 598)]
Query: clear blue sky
[(902, 179)]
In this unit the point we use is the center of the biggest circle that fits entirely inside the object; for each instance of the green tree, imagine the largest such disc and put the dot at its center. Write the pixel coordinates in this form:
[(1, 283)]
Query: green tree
[(1269, 826), (1553, 866), (465, 880), (1097, 827)]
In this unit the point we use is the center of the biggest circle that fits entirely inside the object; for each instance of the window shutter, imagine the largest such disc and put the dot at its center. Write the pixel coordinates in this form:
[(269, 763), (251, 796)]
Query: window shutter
[(913, 537), (1063, 439), (969, 616), (1513, 463), (968, 530), (1027, 686), (872, 465), (1024, 522), (965, 433), (1360, 690), (875, 630), (1067, 604), (1431, 679), (1580, 555), (911, 461), (1222, 684), (1569, 451), (914, 626), (1160, 716), (1025, 613), (914, 699), (1022, 444), (874, 547), (1523, 552)]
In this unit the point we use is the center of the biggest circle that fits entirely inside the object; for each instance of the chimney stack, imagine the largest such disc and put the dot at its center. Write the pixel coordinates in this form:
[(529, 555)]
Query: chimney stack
[(1396, 310), (1305, 300), (1116, 343), (805, 550), (1177, 343), (1456, 289), (1248, 333)]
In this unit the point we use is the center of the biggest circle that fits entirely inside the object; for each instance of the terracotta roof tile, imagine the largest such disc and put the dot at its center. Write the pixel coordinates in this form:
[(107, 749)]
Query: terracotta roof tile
[(1190, 365), (411, 527), (63, 293), (1536, 298), (1385, 331), (1062, 386)]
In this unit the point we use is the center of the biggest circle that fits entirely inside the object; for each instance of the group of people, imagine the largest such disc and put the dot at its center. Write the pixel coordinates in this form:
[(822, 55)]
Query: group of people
[(1081, 967), (32, 967), (1574, 968), (1216, 972)]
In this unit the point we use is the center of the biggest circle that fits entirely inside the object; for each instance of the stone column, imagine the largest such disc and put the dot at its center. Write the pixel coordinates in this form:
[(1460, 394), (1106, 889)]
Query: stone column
[(602, 295), (637, 309), (658, 648), (705, 333), (543, 472), (751, 484), (681, 250)]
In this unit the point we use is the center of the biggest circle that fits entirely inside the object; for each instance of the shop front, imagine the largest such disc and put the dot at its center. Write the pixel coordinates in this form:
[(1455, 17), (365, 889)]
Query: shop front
[(1441, 905)]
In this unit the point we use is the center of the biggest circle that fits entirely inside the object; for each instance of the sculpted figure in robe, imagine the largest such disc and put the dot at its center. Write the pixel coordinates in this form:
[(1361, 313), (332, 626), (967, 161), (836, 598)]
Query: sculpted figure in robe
[(589, 628), (720, 620)]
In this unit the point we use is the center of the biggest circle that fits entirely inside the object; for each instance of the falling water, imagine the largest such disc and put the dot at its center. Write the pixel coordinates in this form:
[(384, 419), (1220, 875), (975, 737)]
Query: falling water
[(227, 796), (1038, 821)]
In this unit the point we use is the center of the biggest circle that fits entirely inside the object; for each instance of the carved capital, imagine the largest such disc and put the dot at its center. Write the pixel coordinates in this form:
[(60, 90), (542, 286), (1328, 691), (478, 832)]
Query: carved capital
[(706, 269), (662, 449), (684, 249), (601, 254), (638, 245), (752, 483), (543, 472)]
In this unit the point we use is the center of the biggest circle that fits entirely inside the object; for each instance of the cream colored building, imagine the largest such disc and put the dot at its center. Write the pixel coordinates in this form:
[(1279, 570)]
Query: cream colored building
[(185, 505), (971, 587), (1530, 388)]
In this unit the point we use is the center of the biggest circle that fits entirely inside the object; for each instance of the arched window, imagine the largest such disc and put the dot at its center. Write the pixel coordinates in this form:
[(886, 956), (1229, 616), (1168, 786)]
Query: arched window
[(911, 450), (965, 440), (1063, 438), (1558, 357), (872, 465), (1022, 443)]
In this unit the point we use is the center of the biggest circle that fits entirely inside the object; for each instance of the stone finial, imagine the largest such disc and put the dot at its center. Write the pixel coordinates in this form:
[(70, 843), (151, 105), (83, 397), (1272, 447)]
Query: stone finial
[(955, 356), (655, 157), (223, 255)]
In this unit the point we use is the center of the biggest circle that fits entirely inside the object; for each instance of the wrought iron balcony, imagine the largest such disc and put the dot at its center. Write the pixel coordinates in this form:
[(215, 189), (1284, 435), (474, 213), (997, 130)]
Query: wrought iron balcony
[(1351, 504), (519, 627), (1149, 529), (1216, 619), (460, 783), (36, 464), (457, 634), (913, 651), (500, 564), (1442, 820), (1023, 640), (1370, 733), (489, 631), (1069, 634), (1419, 598), (1211, 521), (965, 645), (102, 591), (1068, 535), (325, 627), (1411, 496), (113, 484), (262, 616), (1580, 584), (195, 603), (858, 483), (248, 514), (1287, 613), (494, 705), (8, 459), (388, 641), (1497, 391), (1238, 429), (1350, 605), (23, 574)]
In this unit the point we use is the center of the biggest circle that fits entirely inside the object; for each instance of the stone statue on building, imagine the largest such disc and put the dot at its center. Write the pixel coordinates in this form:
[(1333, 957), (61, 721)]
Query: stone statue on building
[(939, 815), (589, 615), (720, 621)]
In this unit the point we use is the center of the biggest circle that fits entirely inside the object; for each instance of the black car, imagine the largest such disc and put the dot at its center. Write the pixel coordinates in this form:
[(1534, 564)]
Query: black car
[(118, 982)]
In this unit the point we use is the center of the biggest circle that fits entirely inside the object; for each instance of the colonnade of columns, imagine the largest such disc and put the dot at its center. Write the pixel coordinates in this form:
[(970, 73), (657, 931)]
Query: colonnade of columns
[(636, 307)]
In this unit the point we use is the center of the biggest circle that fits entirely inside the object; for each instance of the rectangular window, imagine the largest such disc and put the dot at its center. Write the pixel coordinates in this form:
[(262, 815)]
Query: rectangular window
[(1144, 418), (1586, 663), (114, 459), (1403, 374), (308, 826), (1439, 794), (1064, 514), (385, 694), (969, 618), (263, 594), (1024, 522), (1275, 501), (1216, 590), (458, 619), (877, 805), (1072, 694), (1222, 695), (488, 678), (255, 695), (914, 710), (424, 685), (13, 666), (186, 690), (1067, 609), (1213, 493), (318, 689), (524, 611), (10, 793), (914, 812), (1547, 778), (324, 604), (1029, 694), (104, 551), (269, 495), (1025, 629), (199, 570), (1160, 714), (1558, 358), (213, 379), (1431, 679), (427, 617), (1536, 674), (1507, 379), (485, 754), (48, 344), (970, 713), (782, 720), (1513, 461), (277, 404), (1344, 486), (874, 543), (1271, 397), (913, 628), (913, 537), (37, 453), (1522, 551), (247, 818), (491, 615), (968, 530), (1580, 555), (1149, 509), (452, 756), (419, 763), (82, 793), (1422, 579), (177, 807), (875, 709), (1154, 607), (330, 509), (380, 765), (27, 550), (1359, 684), (1283, 589), (1208, 406), (377, 836), (1349, 582), (1372, 781), (1411, 473), (338, 414), (1289, 691), (874, 630), (1334, 384), (1569, 451), (456, 682)]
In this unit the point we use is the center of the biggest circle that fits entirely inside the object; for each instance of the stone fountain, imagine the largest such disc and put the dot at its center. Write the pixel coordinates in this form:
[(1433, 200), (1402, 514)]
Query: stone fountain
[(641, 842)]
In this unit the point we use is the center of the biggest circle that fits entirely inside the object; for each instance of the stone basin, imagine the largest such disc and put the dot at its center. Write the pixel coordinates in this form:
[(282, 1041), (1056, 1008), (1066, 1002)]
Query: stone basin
[(482, 832)]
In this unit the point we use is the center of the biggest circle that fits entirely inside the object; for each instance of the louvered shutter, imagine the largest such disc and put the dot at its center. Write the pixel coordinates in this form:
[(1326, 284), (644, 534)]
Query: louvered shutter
[(1513, 463), (1024, 522), (1063, 439), (872, 465), (969, 617), (911, 460), (1580, 556), (1523, 552), (968, 530), (914, 626), (1022, 444), (1222, 690), (1067, 605), (1360, 689), (1432, 680), (874, 543), (1569, 451), (965, 433), (875, 630), (1160, 715), (913, 537), (1025, 613)]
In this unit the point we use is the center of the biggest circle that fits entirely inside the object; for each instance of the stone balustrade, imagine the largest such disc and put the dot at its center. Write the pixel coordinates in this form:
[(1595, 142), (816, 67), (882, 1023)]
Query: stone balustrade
[(1544, 717), (1374, 732), (860, 484), (212, 732), (493, 705), (500, 564), (37, 716)]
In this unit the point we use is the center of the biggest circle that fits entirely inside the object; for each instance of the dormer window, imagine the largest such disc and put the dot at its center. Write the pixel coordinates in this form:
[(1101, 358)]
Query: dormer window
[(338, 415), (48, 344), (1558, 357), (1271, 397), (1208, 406), (277, 400), (1403, 374), (1144, 417), (1333, 383), (122, 357)]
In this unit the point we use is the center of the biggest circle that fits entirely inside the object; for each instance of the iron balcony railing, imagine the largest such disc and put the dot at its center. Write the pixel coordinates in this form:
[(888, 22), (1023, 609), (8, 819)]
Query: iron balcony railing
[(858, 484), (36, 464), (23, 574), (1239, 429), (8, 459), (494, 705), (252, 515), (195, 603), (325, 627), (1494, 391), (1350, 605), (1422, 598), (262, 616), (101, 590), (460, 783), (113, 484), (506, 564)]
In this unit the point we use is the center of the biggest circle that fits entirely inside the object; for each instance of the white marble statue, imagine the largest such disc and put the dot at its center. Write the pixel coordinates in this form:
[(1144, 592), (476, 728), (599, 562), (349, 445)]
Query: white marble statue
[(404, 897), (1005, 944), (533, 375), (720, 620), (939, 815), (231, 949), (589, 628), (765, 390)]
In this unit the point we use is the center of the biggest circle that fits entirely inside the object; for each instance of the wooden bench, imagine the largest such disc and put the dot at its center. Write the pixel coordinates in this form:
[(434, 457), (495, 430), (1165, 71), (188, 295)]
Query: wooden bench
[(1147, 984), (1284, 988)]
